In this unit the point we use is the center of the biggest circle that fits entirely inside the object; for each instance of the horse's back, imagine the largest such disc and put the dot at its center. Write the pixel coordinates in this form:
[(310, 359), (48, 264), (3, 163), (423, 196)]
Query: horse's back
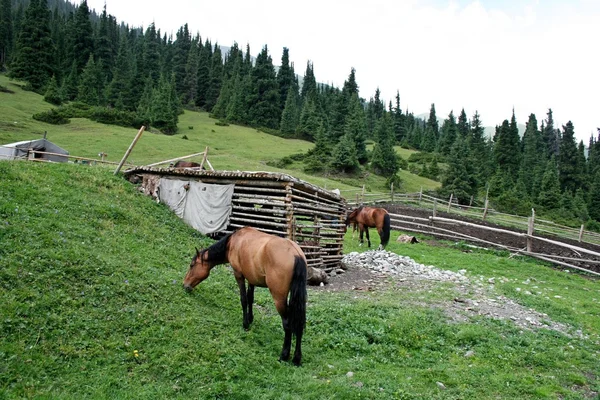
[(261, 257)]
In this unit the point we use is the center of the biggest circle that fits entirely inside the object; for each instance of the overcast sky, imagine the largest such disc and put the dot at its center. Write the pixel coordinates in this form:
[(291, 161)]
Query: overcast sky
[(487, 55)]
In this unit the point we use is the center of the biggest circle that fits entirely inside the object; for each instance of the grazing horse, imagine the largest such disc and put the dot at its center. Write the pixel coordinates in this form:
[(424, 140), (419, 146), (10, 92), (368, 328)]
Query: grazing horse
[(186, 164), (266, 261), (371, 217)]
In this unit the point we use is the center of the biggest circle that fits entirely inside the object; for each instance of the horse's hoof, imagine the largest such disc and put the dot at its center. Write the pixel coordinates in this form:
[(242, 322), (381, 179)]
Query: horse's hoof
[(297, 361), (284, 357)]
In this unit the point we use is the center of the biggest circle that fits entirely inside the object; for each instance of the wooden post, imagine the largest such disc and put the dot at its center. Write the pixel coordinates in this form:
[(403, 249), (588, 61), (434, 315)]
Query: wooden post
[(139, 134), (581, 233), (434, 207), (204, 158), (532, 221), (529, 234), (420, 196), (471, 202), (450, 202), (289, 212), (392, 192), (362, 195), (485, 209)]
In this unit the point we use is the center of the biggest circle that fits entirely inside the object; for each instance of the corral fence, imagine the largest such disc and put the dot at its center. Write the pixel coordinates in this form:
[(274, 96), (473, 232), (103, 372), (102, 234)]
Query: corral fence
[(529, 229)]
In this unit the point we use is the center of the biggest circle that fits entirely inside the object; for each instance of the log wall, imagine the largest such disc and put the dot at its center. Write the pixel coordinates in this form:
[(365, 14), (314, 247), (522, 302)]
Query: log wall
[(274, 203)]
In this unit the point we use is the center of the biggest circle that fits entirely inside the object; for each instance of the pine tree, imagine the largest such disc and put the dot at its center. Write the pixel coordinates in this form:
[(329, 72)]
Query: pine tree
[(264, 109), (549, 196), (309, 84), (35, 50), (476, 143), (309, 120), (52, 94), (6, 33), (463, 125), (532, 164), (344, 158), (181, 54), (399, 122), (204, 62), (448, 134), (355, 128), (105, 48), (459, 178), (164, 109), (82, 37), (594, 197), (551, 137), (118, 91), (216, 78), (291, 113), (90, 84), (507, 150), (569, 174), (384, 159), (190, 86), (285, 78)]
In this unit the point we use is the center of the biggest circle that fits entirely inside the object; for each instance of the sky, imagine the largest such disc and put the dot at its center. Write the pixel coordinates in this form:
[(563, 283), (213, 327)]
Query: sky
[(490, 56)]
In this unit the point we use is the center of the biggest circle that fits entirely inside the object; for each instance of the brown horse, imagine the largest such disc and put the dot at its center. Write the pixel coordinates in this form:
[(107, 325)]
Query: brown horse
[(186, 164), (371, 217), (265, 261)]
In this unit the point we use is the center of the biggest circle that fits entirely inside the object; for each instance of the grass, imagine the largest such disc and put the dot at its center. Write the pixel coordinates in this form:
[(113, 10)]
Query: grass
[(230, 147), (91, 306)]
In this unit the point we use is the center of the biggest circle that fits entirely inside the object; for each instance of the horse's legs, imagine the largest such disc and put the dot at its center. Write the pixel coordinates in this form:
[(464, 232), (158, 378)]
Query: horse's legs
[(361, 229), (244, 299), (250, 298), (367, 232), (282, 308), (298, 351)]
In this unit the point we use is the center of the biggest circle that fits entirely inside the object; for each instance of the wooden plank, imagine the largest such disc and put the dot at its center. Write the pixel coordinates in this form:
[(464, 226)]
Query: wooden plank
[(137, 137)]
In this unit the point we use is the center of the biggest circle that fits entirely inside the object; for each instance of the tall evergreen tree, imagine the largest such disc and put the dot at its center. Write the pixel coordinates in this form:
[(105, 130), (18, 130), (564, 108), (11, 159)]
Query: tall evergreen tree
[(448, 134), (384, 159), (344, 158), (181, 54), (106, 44), (264, 100), (532, 165), (285, 77), (90, 84), (594, 197), (460, 179), (291, 112), (190, 81), (463, 125), (507, 150), (6, 33), (82, 37), (550, 195), (309, 84), (431, 135), (216, 78), (400, 128), (34, 59), (551, 137), (118, 93), (204, 63), (571, 177), (356, 128)]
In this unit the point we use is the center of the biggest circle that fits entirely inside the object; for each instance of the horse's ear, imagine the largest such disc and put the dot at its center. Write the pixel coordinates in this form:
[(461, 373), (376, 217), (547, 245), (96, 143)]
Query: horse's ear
[(197, 252)]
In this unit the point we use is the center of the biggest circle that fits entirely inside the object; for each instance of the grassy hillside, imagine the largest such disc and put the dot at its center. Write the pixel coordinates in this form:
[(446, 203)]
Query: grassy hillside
[(231, 147), (91, 306)]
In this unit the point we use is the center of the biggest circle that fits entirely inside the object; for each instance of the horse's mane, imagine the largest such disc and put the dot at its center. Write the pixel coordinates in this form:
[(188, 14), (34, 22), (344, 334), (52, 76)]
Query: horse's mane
[(217, 252)]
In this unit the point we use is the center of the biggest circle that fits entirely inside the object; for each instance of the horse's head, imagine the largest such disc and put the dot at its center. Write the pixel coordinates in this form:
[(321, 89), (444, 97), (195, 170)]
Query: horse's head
[(351, 216), (199, 270)]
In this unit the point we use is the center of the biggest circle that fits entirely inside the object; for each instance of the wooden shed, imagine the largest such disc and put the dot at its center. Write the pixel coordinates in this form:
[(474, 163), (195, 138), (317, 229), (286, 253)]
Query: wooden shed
[(273, 203)]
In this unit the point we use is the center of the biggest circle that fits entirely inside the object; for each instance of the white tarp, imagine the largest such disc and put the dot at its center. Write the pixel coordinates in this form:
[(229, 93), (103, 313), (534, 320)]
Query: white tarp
[(203, 206)]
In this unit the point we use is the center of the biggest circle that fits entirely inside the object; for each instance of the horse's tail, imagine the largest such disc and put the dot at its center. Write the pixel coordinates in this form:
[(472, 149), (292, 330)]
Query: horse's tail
[(297, 303), (385, 232)]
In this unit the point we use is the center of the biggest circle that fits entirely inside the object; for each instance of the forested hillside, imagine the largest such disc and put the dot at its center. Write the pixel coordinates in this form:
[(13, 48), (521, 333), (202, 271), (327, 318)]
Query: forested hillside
[(97, 67)]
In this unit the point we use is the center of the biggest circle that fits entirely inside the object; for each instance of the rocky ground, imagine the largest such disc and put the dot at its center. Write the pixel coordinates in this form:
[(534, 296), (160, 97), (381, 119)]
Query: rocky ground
[(473, 296)]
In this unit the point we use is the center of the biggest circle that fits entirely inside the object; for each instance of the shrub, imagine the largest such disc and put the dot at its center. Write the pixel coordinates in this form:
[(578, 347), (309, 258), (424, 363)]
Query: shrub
[(53, 116), (221, 123)]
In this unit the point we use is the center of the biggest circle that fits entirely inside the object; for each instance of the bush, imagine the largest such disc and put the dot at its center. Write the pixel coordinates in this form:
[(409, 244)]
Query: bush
[(53, 116), (112, 116), (281, 163), (221, 123)]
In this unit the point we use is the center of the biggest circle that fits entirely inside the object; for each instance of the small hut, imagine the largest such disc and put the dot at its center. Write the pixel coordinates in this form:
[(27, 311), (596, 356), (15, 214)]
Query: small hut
[(28, 148), (219, 202)]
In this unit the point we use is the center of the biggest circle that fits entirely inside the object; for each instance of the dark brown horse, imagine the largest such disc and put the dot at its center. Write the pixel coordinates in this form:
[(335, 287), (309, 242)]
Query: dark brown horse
[(265, 261), (371, 217), (186, 164)]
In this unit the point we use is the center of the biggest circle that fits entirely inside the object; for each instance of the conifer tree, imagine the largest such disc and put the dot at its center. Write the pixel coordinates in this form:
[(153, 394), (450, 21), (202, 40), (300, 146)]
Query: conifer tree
[(594, 197), (309, 84), (355, 128), (237, 108), (310, 120), (291, 113), (399, 122), (344, 158), (181, 54), (6, 32), (90, 84), (34, 51), (551, 137), (568, 161), (105, 44), (550, 195), (476, 143), (52, 94), (463, 125), (190, 86), (507, 148), (118, 90), (448, 134), (216, 78), (285, 78), (532, 164), (150, 61), (82, 37), (459, 178), (384, 159), (204, 63), (264, 109)]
